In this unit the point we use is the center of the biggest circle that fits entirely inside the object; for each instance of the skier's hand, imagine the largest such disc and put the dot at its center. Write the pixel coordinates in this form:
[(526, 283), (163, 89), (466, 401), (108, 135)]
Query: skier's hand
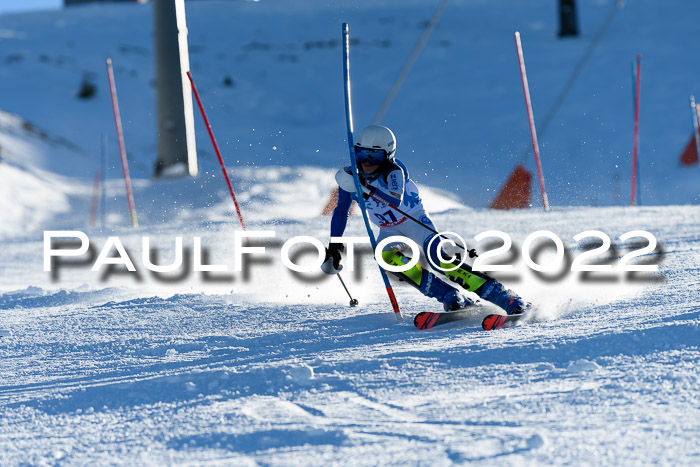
[(332, 263)]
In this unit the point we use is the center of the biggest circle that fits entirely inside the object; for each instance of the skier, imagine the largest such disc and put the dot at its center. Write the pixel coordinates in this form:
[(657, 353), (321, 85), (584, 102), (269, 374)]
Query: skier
[(389, 180)]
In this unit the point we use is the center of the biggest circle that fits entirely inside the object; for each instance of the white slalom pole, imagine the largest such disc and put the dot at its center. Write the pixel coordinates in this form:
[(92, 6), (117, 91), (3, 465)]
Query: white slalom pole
[(531, 118)]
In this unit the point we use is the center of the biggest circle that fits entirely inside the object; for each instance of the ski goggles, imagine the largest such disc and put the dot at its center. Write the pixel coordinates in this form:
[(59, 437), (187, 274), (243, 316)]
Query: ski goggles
[(372, 155)]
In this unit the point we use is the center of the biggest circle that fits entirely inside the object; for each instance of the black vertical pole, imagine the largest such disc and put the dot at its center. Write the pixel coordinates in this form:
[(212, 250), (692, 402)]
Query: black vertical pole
[(568, 20)]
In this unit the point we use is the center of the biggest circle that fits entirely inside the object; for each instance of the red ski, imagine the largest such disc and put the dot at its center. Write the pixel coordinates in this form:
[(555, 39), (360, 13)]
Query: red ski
[(428, 319), (492, 322)]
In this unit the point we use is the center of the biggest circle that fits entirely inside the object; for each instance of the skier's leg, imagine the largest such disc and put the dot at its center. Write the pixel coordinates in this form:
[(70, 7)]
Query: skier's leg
[(494, 292), (426, 282), (462, 275), (477, 282), (488, 288), (419, 275)]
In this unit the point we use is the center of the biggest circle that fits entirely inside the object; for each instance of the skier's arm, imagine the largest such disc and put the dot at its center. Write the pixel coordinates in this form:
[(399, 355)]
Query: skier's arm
[(339, 220), (331, 265)]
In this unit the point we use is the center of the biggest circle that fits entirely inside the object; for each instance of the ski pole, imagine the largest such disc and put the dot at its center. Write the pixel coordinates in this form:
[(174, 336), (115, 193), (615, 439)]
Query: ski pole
[(353, 301), (370, 192)]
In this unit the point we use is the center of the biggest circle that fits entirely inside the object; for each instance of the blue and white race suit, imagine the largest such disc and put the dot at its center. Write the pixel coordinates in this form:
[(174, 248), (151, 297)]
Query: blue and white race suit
[(397, 189)]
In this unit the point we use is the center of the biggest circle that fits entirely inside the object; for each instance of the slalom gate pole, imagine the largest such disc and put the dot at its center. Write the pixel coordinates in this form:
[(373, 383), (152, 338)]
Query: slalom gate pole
[(576, 72), (103, 172), (95, 196), (409, 63), (694, 115), (531, 118), (216, 149), (697, 117), (120, 138), (638, 201), (636, 129), (356, 175), (353, 301)]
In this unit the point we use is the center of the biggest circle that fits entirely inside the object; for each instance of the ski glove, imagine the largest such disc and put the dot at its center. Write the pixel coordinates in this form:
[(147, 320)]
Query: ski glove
[(332, 265)]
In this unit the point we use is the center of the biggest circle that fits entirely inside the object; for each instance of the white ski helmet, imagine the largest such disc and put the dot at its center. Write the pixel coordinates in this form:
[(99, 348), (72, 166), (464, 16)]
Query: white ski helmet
[(377, 137)]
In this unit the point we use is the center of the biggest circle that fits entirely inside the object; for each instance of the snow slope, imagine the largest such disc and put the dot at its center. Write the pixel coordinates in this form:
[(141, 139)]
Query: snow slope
[(289, 374), (270, 367)]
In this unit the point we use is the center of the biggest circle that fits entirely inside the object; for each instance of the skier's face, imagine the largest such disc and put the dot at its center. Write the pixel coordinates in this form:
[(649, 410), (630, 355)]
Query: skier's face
[(369, 168), (370, 158)]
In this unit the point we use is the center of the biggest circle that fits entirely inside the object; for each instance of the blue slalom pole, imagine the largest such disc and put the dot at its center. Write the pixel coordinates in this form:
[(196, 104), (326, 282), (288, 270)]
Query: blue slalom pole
[(356, 175)]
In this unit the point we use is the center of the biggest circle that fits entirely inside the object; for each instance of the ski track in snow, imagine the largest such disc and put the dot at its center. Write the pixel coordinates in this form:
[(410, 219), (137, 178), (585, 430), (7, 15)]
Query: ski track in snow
[(117, 374)]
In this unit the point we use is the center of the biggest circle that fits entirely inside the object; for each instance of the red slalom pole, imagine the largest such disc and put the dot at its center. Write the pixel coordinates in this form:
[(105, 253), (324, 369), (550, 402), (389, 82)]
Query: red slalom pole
[(216, 149), (531, 118), (120, 137), (636, 128)]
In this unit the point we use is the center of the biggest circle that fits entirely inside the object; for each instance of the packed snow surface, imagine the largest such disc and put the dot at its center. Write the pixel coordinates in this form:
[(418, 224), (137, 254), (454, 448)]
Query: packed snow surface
[(268, 367), (278, 369)]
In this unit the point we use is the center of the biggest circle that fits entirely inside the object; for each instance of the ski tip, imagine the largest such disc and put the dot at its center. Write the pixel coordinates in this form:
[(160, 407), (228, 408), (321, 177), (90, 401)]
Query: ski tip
[(492, 322), (425, 320)]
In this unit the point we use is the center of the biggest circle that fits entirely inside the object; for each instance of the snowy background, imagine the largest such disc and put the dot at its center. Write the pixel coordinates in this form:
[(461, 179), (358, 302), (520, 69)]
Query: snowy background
[(273, 368)]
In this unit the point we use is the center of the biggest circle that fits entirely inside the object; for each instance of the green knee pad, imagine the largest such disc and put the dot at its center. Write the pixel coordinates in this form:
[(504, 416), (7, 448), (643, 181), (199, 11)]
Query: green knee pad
[(395, 258)]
